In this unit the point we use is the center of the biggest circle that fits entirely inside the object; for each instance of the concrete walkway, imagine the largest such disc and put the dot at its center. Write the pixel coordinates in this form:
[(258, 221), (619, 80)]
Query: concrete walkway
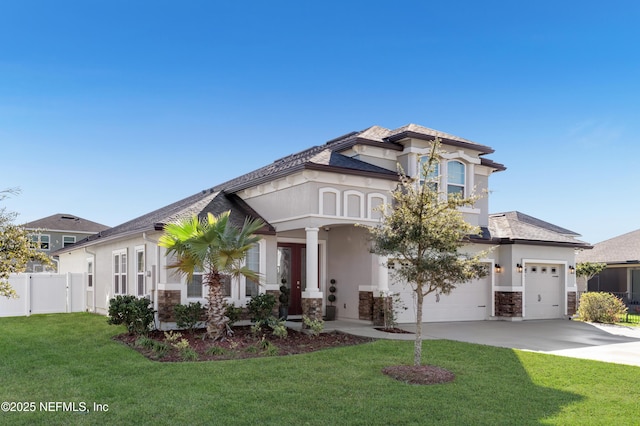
[(575, 339)]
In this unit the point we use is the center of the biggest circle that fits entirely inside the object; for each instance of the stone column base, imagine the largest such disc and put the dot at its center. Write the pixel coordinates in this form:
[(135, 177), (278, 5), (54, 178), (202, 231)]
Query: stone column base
[(508, 304), (365, 305), (312, 308), (382, 310), (572, 305), (167, 300)]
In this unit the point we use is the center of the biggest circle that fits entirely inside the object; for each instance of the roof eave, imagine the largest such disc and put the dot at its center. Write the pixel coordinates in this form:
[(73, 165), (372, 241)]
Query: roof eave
[(415, 135), (334, 169), (581, 245)]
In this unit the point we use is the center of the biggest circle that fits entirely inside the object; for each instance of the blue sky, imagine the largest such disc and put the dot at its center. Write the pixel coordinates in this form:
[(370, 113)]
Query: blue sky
[(111, 109)]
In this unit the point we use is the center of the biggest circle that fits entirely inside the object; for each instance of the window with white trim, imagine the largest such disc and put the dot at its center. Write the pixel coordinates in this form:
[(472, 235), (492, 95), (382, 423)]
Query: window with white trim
[(90, 272), (456, 178), (194, 285), (120, 272), (67, 240), (140, 272), (432, 175), (253, 263), (41, 241)]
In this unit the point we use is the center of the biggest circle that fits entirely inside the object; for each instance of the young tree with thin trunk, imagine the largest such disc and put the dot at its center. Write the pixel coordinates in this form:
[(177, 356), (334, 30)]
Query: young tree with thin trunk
[(16, 248), (423, 232), (589, 270), (218, 248)]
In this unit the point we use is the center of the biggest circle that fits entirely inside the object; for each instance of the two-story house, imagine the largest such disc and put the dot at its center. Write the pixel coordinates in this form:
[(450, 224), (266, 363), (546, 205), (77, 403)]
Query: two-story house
[(311, 202), (58, 231)]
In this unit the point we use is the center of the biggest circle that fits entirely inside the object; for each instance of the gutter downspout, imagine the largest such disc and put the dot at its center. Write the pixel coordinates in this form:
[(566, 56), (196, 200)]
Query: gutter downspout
[(94, 277), (156, 277)]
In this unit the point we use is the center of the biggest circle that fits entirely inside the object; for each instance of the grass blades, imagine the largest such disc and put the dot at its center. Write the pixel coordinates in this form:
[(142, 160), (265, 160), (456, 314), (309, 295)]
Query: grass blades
[(71, 358)]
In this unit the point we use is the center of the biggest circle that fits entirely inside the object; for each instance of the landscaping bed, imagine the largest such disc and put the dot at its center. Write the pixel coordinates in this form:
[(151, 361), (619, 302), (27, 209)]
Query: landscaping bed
[(170, 346)]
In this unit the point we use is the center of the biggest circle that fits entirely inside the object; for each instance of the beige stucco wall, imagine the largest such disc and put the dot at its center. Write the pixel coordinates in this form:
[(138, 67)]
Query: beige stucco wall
[(508, 256), (350, 264), (155, 263)]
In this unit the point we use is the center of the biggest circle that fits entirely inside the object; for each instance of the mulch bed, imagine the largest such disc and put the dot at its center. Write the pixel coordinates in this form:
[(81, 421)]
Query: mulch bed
[(394, 330), (419, 375), (243, 344)]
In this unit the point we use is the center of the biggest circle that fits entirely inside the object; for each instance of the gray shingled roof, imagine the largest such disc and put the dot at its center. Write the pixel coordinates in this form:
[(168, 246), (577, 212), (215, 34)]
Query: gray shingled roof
[(323, 157), (198, 204), (621, 249), (65, 222), (318, 157), (328, 155), (516, 226)]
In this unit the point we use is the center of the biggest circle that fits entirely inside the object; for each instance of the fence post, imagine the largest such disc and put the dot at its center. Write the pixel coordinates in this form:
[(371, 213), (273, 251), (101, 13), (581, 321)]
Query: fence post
[(68, 279), (27, 295)]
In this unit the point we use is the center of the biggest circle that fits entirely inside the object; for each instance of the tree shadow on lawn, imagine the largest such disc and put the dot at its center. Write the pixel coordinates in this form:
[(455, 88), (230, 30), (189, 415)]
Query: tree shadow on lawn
[(492, 386)]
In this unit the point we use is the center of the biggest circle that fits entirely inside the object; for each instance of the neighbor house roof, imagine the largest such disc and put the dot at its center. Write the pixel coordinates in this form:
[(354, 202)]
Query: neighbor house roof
[(65, 222), (516, 227), (618, 250)]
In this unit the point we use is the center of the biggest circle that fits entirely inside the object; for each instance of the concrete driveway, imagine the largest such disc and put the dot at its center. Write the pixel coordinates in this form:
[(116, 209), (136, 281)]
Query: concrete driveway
[(558, 337)]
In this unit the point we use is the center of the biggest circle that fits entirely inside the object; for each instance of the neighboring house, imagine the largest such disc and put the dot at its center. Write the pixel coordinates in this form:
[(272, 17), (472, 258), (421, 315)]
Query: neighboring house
[(311, 202), (622, 275), (58, 231)]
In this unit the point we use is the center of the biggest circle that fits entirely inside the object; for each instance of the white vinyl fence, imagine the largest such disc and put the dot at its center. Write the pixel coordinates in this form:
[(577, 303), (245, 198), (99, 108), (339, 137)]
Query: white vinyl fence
[(44, 294)]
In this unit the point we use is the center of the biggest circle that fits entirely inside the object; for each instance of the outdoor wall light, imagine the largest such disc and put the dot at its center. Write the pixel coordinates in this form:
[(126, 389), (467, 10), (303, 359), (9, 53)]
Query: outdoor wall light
[(498, 268), (572, 270), (519, 267)]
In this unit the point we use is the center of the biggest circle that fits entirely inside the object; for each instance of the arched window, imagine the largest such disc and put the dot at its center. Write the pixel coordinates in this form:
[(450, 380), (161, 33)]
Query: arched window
[(455, 178)]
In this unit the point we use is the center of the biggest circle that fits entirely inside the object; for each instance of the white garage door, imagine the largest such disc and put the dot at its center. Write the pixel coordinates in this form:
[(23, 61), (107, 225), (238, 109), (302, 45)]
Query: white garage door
[(468, 302), (543, 291)]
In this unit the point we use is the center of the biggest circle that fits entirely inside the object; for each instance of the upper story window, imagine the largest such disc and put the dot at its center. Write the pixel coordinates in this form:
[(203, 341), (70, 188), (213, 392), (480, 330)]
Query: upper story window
[(40, 241), (456, 178), (67, 240), (431, 175)]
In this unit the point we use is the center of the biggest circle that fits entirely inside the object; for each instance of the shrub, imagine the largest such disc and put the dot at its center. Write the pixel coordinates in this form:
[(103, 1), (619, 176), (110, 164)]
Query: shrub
[(188, 354), (188, 316), (232, 312), (261, 307), (135, 313), (315, 325), (279, 328), (145, 342), (160, 348), (216, 350), (601, 307)]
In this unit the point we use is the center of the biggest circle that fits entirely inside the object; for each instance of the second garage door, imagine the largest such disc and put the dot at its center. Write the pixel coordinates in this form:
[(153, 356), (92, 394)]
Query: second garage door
[(543, 291)]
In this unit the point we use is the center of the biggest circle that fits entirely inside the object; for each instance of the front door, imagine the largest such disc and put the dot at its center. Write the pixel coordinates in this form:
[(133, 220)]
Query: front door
[(292, 270)]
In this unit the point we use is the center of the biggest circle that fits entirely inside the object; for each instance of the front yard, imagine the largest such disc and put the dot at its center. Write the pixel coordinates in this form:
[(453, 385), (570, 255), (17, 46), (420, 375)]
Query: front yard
[(67, 362)]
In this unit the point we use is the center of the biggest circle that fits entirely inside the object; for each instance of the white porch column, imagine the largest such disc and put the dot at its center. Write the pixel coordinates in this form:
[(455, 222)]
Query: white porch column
[(383, 274), (312, 290)]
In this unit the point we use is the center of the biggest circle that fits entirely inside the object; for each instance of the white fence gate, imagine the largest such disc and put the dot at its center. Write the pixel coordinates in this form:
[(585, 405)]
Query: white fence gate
[(44, 294)]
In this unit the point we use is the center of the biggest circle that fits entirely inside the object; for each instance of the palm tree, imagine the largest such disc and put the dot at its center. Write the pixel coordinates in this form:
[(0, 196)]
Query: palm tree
[(214, 246)]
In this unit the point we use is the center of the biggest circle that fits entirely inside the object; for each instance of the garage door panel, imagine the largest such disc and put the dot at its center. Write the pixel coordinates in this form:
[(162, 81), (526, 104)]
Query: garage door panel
[(543, 291), (468, 302)]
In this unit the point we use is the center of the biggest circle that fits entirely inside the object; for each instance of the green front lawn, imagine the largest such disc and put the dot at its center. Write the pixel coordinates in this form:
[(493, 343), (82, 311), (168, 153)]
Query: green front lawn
[(71, 358)]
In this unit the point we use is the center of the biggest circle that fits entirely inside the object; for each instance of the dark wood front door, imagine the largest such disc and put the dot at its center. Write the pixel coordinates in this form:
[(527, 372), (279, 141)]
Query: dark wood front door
[(292, 260)]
